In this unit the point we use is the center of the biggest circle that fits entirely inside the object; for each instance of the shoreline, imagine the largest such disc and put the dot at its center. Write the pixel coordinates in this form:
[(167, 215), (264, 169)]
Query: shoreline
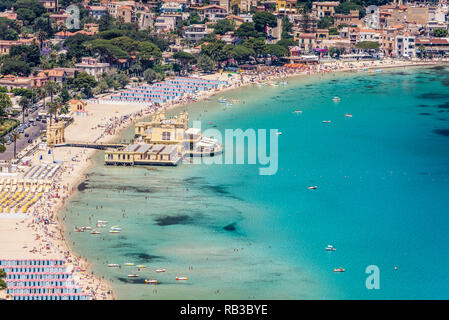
[(69, 185)]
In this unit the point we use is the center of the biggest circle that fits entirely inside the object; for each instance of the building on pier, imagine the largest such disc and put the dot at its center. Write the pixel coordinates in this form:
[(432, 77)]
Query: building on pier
[(163, 141)]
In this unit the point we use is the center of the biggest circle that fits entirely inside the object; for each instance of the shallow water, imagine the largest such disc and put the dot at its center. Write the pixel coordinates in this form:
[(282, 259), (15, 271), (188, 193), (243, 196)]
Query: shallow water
[(382, 198)]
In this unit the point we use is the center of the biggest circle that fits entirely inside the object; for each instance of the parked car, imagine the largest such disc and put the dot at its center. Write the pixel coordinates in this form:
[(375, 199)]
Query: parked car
[(26, 135), (30, 140)]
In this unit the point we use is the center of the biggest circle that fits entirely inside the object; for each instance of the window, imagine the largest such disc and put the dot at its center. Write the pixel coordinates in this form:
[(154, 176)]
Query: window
[(165, 135)]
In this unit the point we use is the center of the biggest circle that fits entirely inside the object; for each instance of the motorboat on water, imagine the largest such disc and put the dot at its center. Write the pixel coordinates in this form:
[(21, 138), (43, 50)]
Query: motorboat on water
[(79, 229), (132, 275), (278, 133), (114, 231), (326, 121), (336, 98), (100, 225), (348, 115), (312, 187), (129, 264), (102, 221), (330, 248), (150, 281), (160, 270), (95, 232), (87, 228), (182, 278), (116, 228), (297, 111), (113, 265), (141, 266), (339, 269)]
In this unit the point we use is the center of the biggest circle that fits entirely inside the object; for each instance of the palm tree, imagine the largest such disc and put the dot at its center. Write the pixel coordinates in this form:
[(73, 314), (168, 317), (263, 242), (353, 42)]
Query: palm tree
[(34, 93), (41, 36), (52, 88), (42, 94), (24, 102), (54, 107), (14, 137)]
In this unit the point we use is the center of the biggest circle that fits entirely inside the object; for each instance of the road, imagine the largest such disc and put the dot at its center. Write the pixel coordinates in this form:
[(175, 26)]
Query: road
[(22, 142)]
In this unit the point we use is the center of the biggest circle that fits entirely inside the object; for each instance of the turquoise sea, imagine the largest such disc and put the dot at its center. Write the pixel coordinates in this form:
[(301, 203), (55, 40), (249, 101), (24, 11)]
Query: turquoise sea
[(382, 198)]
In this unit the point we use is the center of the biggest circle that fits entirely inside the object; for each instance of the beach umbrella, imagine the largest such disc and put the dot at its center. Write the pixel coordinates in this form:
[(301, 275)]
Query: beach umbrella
[(49, 151), (40, 158)]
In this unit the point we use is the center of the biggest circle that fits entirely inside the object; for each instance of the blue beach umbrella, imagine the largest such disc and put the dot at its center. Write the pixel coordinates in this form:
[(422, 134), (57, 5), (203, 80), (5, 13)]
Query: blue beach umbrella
[(49, 151), (40, 157)]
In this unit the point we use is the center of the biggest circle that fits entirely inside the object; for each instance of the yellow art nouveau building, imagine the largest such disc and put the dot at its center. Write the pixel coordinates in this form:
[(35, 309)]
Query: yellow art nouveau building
[(163, 141)]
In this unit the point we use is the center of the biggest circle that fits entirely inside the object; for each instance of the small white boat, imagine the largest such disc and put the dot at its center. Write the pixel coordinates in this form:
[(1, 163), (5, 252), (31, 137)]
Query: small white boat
[(100, 225), (297, 111), (129, 264), (95, 232), (114, 231), (182, 278), (113, 265), (278, 133), (87, 228), (160, 270), (326, 121), (330, 248), (336, 99), (339, 270), (151, 281), (312, 187), (79, 229), (102, 221), (142, 266), (132, 275), (348, 115)]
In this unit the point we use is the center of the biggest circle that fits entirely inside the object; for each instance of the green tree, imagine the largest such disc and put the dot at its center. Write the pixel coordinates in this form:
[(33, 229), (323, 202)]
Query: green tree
[(2, 272), (218, 50), (5, 103), (52, 88), (123, 79), (33, 5), (286, 43), (262, 19), (246, 30), (440, 33), (242, 53), (223, 26), (258, 45), (286, 28), (24, 102), (185, 59), (206, 64), (14, 138), (151, 76), (422, 51), (27, 53), (276, 50), (15, 66), (84, 82), (325, 22), (65, 95), (346, 6)]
